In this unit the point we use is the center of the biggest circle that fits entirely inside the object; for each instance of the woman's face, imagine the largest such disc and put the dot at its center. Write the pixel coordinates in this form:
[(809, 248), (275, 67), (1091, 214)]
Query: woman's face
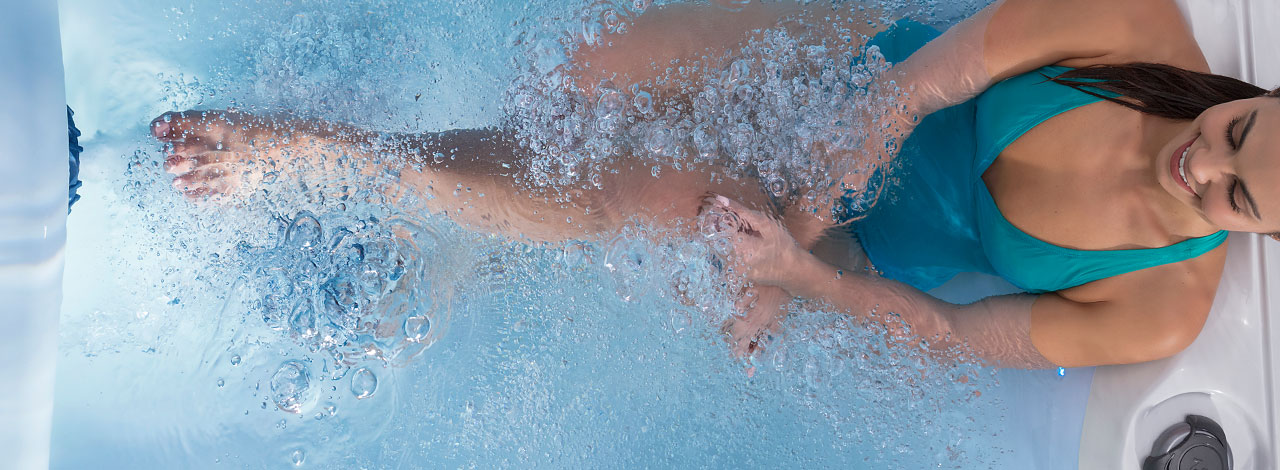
[(1231, 165)]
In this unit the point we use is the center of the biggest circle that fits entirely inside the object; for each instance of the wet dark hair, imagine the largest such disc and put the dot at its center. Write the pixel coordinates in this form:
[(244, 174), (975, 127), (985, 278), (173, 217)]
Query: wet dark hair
[(1162, 90)]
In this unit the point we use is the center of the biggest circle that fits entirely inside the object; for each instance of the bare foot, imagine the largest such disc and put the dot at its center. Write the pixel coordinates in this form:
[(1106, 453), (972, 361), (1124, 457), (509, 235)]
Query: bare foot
[(219, 152)]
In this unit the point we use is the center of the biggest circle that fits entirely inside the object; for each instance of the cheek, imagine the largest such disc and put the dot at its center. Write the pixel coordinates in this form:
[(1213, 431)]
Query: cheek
[(1217, 210)]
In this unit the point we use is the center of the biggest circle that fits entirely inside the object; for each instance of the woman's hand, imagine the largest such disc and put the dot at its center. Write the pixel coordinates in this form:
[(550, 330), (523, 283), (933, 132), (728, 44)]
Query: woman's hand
[(759, 247)]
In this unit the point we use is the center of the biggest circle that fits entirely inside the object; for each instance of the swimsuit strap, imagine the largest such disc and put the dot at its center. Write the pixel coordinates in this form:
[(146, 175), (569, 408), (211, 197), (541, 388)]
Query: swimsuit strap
[(1004, 113)]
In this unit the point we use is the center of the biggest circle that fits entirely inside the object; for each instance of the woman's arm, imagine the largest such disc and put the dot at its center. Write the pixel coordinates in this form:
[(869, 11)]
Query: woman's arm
[(1011, 37), (1007, 38), (995, 329), (1136, 317)]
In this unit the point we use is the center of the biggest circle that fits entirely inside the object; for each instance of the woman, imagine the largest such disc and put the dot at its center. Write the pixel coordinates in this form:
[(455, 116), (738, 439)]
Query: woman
[(1108, 203)]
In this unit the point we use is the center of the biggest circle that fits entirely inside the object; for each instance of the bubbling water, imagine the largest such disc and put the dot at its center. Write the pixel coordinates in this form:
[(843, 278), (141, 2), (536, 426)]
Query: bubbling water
[(363, 383), (622, 334), (785, 110), (290, 386), (368, 290)]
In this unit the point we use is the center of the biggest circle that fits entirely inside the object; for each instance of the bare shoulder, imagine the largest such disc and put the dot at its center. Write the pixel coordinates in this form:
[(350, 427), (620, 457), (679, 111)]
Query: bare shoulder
[(1025, 34), (1175, 296), (1135, 317), (1144, 31)]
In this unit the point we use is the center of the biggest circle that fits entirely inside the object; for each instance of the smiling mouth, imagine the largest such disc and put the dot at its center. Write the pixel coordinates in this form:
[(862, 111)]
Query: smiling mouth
[(1178, 166)]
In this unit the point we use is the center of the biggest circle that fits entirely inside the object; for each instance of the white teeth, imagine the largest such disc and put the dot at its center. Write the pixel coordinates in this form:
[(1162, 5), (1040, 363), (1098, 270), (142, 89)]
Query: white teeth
[(1182, 166)]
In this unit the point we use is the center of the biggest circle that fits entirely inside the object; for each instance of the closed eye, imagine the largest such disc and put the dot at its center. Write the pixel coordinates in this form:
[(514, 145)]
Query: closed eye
[(1231, 133), (1235, 146)]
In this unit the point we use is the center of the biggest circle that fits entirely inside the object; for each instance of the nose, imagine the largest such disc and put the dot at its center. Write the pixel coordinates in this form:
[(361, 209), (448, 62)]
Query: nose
[(1208, 163)]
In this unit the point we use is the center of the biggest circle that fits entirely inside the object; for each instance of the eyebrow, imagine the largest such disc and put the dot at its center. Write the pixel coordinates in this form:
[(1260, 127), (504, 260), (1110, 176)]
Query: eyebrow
[(1253, 117)]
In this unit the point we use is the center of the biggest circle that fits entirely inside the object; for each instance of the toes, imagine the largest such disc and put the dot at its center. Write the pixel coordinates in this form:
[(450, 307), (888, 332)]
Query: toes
[(178, 165), (205, 179), (213, 157), (184, 125), (747, 298), (196, 193), (185, 160), (176, 126)]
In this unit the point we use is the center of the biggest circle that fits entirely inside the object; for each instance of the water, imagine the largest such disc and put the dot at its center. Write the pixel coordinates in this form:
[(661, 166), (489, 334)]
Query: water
[(331, 322)]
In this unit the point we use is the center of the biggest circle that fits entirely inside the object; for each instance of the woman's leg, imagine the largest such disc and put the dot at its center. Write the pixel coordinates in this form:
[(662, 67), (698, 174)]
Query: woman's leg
[(478, 182), (473, 176)]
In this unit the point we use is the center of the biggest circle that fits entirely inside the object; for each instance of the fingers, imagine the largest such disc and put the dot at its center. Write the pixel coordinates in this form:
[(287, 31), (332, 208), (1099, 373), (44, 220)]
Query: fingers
[(761, 317), (728, 215), (752, 219), (745, 339), (719, 218), (746, 300)]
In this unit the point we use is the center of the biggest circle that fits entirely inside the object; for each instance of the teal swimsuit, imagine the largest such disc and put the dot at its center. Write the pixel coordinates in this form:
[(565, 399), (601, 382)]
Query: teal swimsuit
[(938, 219)]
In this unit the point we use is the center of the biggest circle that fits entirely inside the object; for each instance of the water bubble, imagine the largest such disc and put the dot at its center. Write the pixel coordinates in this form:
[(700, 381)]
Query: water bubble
[(739, 70), (383, 260), (626, 254), (298, 457), (342, 295), (609, 105), (705, 141), (591, 32), (303, 320), (416, 328), (289, 386), (776, 186), (221, 383), (680, 320), (716, 223), (610, 18), (304, 233), (235, 360), (643, 102), (363, 383), (659, 140), (574, 254)]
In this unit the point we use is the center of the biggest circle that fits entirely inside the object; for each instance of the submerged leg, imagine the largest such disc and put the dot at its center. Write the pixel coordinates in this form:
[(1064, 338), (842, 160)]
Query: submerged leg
[(473, 176), (478, 182)]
